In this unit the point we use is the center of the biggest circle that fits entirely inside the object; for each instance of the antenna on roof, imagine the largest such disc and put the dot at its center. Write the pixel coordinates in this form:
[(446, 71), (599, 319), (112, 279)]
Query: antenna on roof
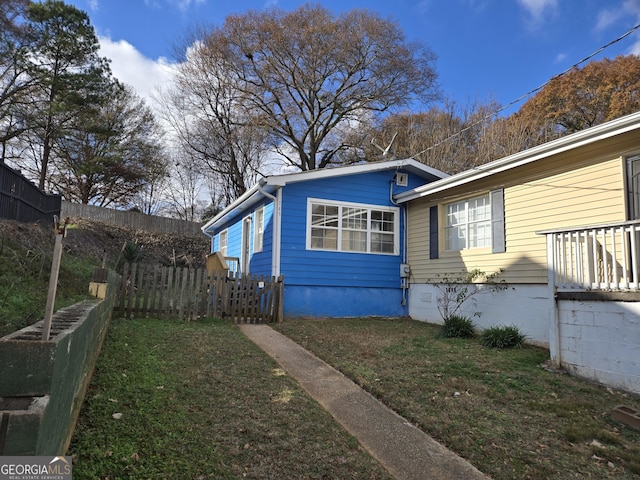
[(385, 151)]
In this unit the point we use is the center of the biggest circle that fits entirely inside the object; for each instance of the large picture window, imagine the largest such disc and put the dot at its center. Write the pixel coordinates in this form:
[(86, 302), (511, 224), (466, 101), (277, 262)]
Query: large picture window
[(347, 227), (468, 223)]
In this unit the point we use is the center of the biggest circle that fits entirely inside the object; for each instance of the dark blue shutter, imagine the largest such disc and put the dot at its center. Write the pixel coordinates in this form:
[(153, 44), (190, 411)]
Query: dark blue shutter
[(433, 232), (498, 244)]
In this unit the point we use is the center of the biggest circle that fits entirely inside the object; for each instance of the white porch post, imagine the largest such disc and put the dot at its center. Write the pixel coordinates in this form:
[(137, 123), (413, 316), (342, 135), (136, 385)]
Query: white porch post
[(554, 323)]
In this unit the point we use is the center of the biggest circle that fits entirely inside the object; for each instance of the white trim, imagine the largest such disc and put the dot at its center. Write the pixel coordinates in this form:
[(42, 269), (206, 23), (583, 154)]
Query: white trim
[(408, 164), (253, 193), (224, 232), (448, 228), (578, 139), (245, 253), (268, 186), (276, 217), (369, 208), (277, 233)]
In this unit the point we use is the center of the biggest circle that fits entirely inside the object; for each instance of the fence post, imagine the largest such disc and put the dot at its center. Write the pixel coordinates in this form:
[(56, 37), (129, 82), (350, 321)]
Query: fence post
[(280, 299), (60, 231)]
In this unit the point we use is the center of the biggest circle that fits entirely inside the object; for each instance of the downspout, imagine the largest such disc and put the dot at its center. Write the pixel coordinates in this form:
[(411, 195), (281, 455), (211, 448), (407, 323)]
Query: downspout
[(404, 281), (210, 235), (275, 249)]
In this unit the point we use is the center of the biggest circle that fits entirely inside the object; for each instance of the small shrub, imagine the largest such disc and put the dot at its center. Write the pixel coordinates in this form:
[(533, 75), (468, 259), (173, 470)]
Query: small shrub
[(457, 326), (502, 337), (131, 252)]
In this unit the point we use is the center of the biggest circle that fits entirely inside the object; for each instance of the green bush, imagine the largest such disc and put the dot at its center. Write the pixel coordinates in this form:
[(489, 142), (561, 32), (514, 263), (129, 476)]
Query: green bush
[(457, 326), (502, 337)]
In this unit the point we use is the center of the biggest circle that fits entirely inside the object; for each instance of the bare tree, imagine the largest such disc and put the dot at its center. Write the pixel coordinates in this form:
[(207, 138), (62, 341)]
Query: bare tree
[(218, 140), (14, 80), (448, 138), (305, 74), (186, 189)]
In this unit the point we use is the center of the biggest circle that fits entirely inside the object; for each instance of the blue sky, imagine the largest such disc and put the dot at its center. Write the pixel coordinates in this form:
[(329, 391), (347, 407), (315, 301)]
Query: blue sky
[(487, 49)]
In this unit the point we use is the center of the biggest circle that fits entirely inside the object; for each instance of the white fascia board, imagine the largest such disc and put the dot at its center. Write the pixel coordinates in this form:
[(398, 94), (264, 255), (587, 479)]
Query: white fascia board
[(575, 140), (273, 182), (243, 202)]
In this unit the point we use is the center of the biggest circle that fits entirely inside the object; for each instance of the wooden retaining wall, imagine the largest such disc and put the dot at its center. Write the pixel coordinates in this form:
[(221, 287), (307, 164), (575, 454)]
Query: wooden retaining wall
[(187, 293)]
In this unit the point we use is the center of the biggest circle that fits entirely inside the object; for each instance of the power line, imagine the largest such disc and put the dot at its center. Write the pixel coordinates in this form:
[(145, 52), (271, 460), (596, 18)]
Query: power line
[(529, 93)]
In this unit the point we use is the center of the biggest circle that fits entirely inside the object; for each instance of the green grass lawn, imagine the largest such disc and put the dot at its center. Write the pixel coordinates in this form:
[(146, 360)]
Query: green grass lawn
[(502, 410), (198, 400), (24, 282)]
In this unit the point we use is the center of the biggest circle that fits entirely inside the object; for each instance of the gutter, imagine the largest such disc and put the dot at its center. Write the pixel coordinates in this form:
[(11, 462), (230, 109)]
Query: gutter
[(230, 208), (584, 137)]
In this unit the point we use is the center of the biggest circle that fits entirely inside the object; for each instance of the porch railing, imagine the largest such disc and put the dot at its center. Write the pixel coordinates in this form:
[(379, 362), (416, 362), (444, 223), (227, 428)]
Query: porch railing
[(602, 257)]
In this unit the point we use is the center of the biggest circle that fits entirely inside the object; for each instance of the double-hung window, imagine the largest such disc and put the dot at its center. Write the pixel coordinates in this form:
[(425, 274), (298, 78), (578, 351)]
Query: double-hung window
[(468, 223), (258, 230), (633, 187), (349, 227), (223, 242)]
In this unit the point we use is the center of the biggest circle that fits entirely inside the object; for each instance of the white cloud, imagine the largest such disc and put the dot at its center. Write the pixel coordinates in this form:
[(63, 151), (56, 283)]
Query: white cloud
[(129, 66), (184, 5), (561, 57), (626, 11), (539, 10), (606, 18), (93, 4)]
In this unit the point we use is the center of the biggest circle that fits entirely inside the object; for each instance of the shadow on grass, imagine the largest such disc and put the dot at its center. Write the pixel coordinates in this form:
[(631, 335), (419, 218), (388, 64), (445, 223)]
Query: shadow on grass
[(198, 400), (500, 409)]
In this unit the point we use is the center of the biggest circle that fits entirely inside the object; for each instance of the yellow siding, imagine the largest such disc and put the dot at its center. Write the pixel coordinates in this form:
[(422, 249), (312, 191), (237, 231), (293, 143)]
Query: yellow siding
[(587, 195)]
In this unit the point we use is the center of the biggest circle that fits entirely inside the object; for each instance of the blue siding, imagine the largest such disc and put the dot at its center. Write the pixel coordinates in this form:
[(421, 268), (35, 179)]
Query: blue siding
[(234, 245), (327, 283), (340, 284), (260, 262), (300, 301), (339, 269)]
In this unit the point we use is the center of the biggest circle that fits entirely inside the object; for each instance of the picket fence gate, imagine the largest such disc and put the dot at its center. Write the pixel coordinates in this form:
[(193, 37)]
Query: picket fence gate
[(187, 293)]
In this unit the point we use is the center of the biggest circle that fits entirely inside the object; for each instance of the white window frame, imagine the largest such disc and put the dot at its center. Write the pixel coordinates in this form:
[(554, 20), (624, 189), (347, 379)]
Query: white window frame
[(340, 228), (223, 246), (466, 225), (258, 230)]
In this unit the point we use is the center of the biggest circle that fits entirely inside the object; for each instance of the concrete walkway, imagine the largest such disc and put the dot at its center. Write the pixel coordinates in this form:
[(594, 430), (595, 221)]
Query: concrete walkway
[(404, 450)]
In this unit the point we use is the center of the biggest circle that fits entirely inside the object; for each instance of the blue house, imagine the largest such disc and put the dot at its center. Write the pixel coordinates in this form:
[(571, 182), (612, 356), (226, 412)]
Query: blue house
[(335, 234)]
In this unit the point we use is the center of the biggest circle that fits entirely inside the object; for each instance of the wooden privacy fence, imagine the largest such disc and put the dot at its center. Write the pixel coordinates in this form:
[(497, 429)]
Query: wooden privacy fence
[(187, 293), (22, 201), (135, 220)]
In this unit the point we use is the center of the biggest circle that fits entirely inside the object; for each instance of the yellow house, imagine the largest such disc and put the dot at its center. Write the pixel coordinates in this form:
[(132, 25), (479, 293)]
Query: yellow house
[(559, 222)]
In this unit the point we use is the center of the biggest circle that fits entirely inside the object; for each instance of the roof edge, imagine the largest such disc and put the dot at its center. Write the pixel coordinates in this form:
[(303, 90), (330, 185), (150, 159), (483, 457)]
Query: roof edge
[(276, 181), (584, 137), (407, 163)]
